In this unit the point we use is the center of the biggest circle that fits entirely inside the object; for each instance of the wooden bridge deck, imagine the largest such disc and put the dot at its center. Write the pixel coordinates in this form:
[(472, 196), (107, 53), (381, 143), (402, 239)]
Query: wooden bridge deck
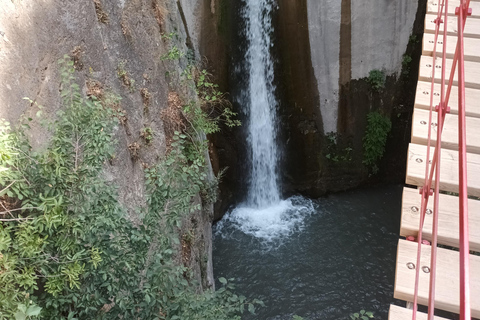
[(399, 313), (448, 219), (447, 289), (432, 7)]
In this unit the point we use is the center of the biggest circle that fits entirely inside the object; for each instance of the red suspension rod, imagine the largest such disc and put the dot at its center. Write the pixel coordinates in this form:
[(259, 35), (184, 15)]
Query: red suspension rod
[(462, 152)]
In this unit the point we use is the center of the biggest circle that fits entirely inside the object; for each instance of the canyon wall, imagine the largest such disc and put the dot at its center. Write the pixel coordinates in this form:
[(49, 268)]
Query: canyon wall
[(123, 50)]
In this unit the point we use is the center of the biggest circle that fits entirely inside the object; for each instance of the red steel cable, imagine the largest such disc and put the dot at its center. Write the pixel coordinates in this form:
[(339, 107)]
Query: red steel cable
[(455, 58), (462, 191), (426, 187), (441, 109), (463, 210), (449, 89)]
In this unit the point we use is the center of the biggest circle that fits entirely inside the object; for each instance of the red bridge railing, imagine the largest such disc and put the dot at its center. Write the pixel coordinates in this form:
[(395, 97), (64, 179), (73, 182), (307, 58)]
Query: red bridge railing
[(462, 12)]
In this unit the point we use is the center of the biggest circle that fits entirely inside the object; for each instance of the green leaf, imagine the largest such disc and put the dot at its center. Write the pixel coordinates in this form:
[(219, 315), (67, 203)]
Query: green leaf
[(251, 308), (20, 316), (222, 280), (33, 310)]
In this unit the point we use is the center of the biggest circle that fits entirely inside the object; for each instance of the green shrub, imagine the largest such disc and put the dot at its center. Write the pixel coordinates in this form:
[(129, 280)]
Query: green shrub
[(334, 152), (376, 79), (173, 54), (375, 139), (212, 107), (406, 60), (147, 134), (362, 315), (67, 248)]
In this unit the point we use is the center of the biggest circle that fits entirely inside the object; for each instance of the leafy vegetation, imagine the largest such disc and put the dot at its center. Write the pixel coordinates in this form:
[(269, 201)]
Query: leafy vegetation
[(406, 64), (124, 77), (169, 36), (334, 152), (362, 315), (376, 79), (173, 54), (146, 96), (375, 139), (413, 39), (147, 134), (67, 248), (214, 108)]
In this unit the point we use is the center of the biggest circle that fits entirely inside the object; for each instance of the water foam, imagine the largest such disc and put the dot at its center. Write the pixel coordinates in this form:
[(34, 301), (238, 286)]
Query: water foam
[(269, 224)]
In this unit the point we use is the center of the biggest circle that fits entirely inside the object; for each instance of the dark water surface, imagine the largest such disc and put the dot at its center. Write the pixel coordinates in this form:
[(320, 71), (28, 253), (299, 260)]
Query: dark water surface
[(341, 261)]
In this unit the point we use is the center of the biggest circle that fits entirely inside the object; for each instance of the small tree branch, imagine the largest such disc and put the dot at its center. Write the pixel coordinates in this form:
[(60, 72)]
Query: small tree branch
[(8, 186), (25, 154), (8, 211), (18, 209), (77, 148), (16, 219)]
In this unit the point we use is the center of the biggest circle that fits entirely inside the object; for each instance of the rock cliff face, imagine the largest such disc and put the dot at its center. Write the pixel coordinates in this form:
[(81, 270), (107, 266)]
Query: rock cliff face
[(117, 48)]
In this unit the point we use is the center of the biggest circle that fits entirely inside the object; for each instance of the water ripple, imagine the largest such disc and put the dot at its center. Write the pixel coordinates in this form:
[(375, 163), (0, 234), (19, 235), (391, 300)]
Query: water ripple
[(338, 259)]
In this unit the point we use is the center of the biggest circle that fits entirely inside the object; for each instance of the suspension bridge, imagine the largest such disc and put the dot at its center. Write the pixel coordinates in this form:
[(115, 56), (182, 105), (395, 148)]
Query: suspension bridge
[(438, 265)]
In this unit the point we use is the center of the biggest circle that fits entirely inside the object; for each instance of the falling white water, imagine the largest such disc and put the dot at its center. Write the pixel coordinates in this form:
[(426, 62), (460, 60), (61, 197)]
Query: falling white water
[(261, 104), (264, 215)]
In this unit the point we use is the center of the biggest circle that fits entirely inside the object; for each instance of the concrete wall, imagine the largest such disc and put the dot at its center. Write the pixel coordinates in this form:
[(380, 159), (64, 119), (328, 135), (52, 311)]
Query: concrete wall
[(380, 31), (324, 31)]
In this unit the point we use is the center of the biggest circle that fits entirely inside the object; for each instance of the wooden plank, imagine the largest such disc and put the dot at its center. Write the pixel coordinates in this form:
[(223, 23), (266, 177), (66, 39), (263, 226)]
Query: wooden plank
[(399, 313), (432, 7), (447, 293), (450, 130), (471, 47), (448, 169), (472, 72), (448, 224), (472, 27), (472, 96)]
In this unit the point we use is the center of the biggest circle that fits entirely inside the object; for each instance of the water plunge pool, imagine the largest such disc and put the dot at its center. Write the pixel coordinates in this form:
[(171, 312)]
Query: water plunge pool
[(337, 260)]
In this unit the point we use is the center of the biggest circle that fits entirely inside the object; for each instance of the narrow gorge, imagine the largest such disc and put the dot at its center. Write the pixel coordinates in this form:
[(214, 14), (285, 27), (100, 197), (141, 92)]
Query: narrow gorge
[(145, 142)]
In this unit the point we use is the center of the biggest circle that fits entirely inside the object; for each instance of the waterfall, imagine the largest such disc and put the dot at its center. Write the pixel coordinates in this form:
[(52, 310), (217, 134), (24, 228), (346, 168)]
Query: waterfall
[(263, 215), (260, 104)]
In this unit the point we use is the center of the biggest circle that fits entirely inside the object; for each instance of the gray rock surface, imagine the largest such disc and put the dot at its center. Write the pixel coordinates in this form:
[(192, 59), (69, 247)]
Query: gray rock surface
[(102, 37)]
